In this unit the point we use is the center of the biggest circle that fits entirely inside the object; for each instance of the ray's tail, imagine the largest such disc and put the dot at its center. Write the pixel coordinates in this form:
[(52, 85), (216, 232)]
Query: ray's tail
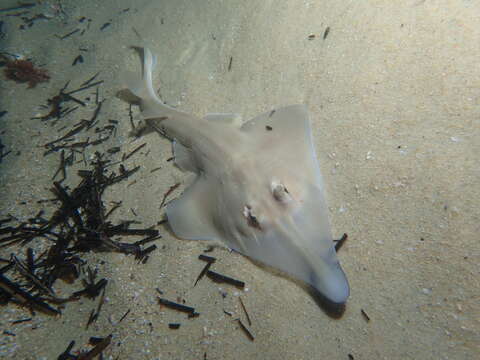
[(142, 87)]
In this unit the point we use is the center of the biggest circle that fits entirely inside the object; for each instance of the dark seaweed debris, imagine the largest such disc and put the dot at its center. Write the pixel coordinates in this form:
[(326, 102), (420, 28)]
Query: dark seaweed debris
[(2, 32), (326, 32), (176, 306), (168, 192), (99, 345), (209, 260), (10, 291), (95, 313), (29, 21), (78, 225), (219, 278), (23, 71), (245, 311), (77, 60), (2, 153), (365, 315), (56, 103), (339, 243), (18, 7), (124, 316), (245, 330)]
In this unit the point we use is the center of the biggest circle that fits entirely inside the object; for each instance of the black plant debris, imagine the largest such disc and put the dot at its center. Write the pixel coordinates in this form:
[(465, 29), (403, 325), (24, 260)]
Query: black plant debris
[(78, 225)]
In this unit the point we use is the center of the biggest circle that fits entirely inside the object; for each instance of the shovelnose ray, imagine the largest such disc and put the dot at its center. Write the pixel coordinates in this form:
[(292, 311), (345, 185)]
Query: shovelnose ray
[(258, 186)]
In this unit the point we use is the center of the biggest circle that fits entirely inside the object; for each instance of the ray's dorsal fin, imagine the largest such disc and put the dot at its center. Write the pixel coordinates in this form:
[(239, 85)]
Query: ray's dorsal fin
[(225, 118), (184, 157)]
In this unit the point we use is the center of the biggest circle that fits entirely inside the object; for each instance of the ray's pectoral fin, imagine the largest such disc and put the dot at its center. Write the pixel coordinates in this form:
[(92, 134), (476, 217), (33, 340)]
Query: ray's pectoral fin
[(189, 215), (285, 142)]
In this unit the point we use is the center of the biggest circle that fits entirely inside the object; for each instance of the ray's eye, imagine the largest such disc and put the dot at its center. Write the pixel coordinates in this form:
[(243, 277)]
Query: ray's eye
[(280, 192), (252, 220)]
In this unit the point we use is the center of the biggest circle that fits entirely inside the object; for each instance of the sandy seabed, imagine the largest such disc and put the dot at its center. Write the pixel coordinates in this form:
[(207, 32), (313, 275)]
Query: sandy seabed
[(394, 94)]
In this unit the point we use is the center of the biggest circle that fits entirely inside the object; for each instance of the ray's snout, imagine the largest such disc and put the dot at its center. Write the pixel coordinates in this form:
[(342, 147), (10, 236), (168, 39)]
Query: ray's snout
[(332, 284)]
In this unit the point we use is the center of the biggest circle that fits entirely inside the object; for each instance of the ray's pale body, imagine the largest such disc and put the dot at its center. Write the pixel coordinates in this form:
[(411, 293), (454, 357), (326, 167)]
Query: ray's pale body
[(258, 187)]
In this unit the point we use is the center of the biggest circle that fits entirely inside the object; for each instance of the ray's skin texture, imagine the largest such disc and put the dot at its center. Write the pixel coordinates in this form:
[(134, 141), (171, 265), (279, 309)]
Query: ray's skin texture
[(258, 187)]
